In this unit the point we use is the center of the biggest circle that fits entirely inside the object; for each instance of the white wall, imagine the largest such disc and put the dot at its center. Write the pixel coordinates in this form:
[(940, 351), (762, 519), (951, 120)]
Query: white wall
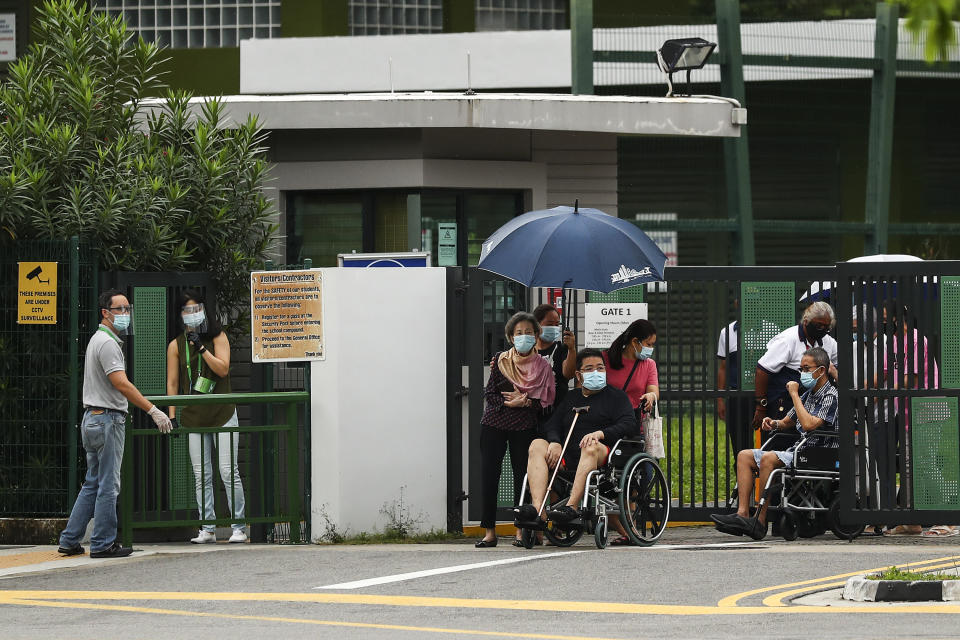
[(435, 62), (378, 405)]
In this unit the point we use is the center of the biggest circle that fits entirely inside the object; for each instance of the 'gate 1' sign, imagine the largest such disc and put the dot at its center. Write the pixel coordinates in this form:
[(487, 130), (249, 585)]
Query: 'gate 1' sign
[(37, 293), (286, 315), (604, 321)]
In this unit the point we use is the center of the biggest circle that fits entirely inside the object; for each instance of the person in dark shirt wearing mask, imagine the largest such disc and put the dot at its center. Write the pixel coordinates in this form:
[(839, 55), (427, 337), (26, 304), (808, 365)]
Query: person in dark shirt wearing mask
[(609, 417)]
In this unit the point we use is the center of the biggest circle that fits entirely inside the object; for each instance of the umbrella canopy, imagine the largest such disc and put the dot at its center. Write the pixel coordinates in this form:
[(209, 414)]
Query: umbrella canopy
[(821, 290), (573, 248)]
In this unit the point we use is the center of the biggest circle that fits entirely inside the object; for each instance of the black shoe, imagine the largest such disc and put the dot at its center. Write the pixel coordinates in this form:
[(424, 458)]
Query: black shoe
[(113, 551), (730, 529), (563, 514), (724, 519), (75, 550), (751, 527), (524, 516), (485, 544)]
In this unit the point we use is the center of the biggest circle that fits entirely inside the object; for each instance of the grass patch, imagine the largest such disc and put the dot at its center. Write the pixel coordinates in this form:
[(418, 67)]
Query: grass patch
[(392, 537), (894, 573), (690, 443)]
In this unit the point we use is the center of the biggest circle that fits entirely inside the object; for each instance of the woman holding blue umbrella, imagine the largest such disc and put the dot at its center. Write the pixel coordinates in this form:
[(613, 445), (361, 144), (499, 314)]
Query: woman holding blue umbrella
[(521, 384)]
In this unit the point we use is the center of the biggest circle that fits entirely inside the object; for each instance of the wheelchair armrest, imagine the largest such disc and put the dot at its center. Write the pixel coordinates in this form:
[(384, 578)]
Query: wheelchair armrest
[(780, 441)]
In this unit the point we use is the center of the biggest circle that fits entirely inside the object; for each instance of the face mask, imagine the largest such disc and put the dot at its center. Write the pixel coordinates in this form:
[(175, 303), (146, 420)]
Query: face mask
[(194, 319), (644, 353), (814, 333), (120, 323), (523, 344), (594, 380), (807, 380), (550, 334)]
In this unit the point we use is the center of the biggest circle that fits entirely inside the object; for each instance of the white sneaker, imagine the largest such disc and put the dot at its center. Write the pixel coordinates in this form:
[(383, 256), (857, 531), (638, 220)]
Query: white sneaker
[(204, 537), (238, 536)]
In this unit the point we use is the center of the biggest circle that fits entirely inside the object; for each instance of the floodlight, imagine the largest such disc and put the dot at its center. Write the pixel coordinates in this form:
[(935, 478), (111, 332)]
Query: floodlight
[(683, 54)]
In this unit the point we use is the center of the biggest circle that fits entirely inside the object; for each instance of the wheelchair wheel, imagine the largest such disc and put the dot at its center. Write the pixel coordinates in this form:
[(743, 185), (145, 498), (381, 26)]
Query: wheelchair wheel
[(600, 533), (841, 530), (810, 527), (562, 535), (788, 527), (528, 537), (644, 500)]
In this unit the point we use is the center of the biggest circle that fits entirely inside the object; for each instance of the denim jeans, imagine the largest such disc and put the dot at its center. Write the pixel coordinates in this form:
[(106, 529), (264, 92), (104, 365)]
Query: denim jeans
[(102, 432), (229, 473)]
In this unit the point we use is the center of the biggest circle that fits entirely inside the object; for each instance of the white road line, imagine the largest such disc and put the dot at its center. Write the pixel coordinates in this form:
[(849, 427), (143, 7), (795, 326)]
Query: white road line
[(668, 547), (400, 577)]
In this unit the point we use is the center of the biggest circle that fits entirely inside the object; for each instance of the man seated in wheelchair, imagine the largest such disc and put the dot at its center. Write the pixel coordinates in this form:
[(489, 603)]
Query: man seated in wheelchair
[(605, 416), (814, 410)]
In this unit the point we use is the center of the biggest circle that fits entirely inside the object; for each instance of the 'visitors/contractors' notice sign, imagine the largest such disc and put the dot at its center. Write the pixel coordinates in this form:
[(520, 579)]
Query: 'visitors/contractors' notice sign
[(286, 315)]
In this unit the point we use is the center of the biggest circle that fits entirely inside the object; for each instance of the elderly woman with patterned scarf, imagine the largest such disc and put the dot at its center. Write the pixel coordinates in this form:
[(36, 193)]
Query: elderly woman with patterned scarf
[(521, 384)]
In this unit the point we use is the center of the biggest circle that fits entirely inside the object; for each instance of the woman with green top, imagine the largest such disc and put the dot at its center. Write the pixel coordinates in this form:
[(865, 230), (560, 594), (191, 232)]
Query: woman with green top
[(198, 361)]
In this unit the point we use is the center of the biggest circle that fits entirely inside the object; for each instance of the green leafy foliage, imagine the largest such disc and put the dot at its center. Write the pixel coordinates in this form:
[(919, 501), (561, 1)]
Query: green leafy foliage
[(166, 185), (896, 573)]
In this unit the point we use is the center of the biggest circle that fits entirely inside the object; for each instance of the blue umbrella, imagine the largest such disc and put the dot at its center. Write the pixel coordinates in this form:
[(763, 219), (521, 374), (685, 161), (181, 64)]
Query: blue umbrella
[(573, 248)]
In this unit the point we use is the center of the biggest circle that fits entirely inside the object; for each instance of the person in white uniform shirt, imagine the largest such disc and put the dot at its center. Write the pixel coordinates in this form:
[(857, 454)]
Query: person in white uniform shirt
[(781, 362)]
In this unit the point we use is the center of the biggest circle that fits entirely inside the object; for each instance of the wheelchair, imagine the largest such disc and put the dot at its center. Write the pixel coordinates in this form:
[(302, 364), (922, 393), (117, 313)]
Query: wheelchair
[(808, 493), (630, 485)]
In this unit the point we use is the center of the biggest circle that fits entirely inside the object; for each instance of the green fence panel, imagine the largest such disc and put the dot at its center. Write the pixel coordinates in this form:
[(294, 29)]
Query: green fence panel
[(766, 309), (630, 294), (950, 332), (935, 458), (150, 339)]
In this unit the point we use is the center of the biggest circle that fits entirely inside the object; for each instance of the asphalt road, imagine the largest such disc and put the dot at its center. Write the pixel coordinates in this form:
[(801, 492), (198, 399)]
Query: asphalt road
[(681, 588)]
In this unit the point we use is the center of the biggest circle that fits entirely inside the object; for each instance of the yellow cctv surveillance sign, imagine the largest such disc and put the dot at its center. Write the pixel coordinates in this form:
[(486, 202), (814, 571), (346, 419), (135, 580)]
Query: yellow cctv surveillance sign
[(37, 293)]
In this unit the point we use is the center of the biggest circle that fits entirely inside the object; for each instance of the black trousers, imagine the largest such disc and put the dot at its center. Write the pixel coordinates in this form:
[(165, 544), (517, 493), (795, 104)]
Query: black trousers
[(493, 446), (740, 424)]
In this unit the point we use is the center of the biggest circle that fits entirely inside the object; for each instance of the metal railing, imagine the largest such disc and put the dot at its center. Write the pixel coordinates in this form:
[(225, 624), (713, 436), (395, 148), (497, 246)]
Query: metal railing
[(147, 499)]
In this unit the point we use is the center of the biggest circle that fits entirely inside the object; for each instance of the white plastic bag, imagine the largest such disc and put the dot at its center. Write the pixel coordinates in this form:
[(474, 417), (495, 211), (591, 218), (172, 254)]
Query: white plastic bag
[(653, 433)]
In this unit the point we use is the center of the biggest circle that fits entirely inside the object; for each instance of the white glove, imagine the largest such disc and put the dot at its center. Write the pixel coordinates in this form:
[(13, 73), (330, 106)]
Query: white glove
[(161, 419)]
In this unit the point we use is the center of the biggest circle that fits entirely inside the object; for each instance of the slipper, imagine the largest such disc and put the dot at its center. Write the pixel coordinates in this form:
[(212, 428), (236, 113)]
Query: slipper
[(901, 530), (517, 542), (940, 531), (563, 514), (622, 541), (726, 528)]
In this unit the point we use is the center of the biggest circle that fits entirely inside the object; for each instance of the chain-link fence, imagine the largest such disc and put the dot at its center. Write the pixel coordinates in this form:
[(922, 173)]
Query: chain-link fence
[(40, 379)]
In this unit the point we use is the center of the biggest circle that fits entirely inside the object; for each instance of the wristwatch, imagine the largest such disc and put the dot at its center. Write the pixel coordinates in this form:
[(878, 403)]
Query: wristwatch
[(761, 401)]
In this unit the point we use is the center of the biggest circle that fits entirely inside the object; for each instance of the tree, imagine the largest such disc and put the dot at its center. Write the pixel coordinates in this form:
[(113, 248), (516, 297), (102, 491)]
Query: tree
[(932, 22), (157, 190)]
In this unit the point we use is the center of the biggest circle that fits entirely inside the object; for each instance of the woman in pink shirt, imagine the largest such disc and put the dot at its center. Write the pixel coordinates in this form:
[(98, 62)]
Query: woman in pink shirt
[(629, 357), (631, 368)]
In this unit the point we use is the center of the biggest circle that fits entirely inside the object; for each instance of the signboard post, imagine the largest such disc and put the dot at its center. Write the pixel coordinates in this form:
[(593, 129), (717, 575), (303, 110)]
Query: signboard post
[(604, 321), (37, 293), (286, 315)]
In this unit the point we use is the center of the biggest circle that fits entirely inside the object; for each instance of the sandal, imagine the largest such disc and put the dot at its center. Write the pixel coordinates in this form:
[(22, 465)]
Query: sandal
[(902, 530), (940, 531), (622, 541)]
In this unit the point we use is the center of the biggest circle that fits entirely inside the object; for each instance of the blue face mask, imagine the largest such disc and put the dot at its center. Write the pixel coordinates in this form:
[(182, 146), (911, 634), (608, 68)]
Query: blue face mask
[(594, 380), (120, 323), (194, 319), (807, 380), (523, 344), (549, 334), (644, 353)]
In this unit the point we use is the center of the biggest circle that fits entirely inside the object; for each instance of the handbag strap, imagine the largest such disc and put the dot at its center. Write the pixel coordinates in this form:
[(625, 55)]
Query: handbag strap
[(636, 363)]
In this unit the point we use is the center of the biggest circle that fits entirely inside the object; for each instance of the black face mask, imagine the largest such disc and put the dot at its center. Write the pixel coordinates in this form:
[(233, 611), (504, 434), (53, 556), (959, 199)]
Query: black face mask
[(813, 332)]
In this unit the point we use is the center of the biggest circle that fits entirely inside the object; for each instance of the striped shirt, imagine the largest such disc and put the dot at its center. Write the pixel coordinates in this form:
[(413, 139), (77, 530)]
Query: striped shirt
[(820, 404)]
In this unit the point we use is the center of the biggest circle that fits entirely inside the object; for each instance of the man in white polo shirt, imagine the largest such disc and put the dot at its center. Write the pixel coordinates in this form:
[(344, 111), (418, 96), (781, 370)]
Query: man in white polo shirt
[(781, 362), (106, 391)]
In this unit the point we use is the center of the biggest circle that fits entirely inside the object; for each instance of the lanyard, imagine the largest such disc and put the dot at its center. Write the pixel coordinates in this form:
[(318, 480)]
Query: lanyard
[(186, 344), (109, 333)]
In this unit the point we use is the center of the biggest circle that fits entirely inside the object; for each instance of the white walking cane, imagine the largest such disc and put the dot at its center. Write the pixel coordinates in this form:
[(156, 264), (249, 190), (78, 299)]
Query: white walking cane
[(546, 496)]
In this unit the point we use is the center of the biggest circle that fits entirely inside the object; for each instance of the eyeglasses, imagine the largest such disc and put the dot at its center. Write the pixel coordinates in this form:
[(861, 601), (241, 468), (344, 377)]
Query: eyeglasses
[(821, 327), (122, 309), (192, 308), (808, 369)]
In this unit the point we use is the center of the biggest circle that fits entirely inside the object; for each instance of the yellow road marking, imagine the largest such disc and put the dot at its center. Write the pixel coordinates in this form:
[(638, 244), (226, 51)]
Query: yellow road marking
[(33, 557), (326, 623), (731, 601), (53, 598), (776, 600)]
